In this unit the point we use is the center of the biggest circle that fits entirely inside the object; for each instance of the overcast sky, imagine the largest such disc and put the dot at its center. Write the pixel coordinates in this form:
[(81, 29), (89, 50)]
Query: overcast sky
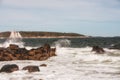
[(89, 17)]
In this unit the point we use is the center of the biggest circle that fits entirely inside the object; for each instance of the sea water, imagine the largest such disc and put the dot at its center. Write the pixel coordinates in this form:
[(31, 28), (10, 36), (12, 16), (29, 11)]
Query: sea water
[(74, 60)]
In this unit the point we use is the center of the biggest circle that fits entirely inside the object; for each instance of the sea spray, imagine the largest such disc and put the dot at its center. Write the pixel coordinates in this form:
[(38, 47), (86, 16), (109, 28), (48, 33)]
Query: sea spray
[(62, 43), (14, 38), (72, 63)]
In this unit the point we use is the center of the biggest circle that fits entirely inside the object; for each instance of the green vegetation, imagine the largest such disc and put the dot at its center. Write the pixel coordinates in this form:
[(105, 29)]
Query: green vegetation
[(42, 34)]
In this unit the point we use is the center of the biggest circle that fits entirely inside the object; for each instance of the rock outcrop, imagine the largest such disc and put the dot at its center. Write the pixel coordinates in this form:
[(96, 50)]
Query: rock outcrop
[(13, 52)]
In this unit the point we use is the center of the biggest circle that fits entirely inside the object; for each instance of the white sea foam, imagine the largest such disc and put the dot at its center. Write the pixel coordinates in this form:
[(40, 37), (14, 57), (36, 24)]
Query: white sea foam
[(70, 64)]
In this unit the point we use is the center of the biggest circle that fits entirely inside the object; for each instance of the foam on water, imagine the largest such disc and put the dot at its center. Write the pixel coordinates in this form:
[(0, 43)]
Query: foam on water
[(70, 64)]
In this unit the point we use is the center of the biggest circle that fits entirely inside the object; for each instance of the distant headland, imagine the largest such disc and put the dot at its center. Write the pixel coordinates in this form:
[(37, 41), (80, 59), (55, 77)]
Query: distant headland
[(41, 34)]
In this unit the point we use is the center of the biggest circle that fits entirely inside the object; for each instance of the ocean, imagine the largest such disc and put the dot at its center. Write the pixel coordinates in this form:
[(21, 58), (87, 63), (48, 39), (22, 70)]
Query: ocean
[(74, 60), (105, 42)]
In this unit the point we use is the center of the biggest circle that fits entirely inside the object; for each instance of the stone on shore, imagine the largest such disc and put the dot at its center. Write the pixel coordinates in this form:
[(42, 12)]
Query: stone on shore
[(43, 65), (9, 68), (31, 68)]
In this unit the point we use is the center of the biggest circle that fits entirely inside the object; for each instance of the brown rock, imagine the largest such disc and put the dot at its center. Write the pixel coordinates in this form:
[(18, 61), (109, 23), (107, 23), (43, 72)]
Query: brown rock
[(31, 52), (52, 52), (43, 65), (9, 68), (98, 49), (13, 52), (46, 48), (38, 56), (31, 68), (13, 46)]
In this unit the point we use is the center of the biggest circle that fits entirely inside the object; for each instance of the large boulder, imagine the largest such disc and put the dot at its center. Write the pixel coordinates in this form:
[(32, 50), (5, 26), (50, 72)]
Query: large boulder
[(31, 68), (9, 68)]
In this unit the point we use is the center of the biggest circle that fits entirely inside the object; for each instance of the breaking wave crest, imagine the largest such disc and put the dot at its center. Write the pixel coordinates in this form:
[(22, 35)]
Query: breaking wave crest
[(62, 43), (14, 38)]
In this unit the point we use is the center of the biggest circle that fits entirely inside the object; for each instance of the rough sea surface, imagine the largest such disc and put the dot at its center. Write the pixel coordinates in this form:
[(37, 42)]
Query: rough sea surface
[(74, 61)]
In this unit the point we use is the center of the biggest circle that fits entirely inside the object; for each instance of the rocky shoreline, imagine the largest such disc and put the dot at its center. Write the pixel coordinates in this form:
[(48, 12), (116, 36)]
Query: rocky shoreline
[(13, 52)]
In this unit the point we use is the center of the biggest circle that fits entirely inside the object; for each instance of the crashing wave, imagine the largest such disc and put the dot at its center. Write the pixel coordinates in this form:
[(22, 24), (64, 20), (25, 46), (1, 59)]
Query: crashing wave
[(62, 43), (14, 38)]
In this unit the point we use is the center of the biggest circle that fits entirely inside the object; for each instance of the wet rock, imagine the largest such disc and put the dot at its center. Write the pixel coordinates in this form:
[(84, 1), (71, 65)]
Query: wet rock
[(43, 65), (98, 49), (13, 47), (52, 52), (31, 68), (31, 52), (2, 49), (9, 68), (46, 48), (13, 52), (21, 50)]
